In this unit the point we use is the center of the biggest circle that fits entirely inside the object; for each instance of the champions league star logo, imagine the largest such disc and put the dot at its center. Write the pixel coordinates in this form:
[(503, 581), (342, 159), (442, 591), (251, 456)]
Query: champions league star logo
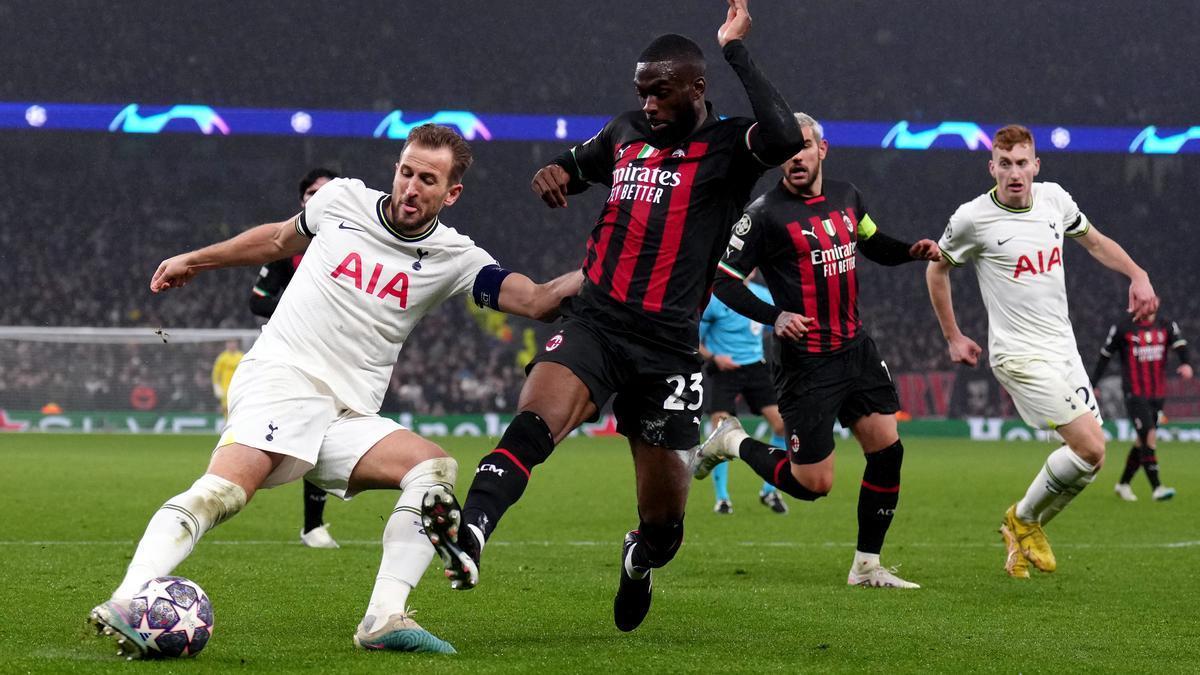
[(468, 125), (131, 121)]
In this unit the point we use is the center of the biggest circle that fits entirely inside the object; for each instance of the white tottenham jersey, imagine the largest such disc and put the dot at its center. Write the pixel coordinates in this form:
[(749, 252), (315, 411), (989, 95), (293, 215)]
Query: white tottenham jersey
[(1018, 256), (360, 290)]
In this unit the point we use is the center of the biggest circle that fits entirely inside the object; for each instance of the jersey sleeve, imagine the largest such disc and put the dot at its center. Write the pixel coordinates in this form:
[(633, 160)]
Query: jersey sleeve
[(959, 243), (1112, 344), (470, 261), (743, 253), (709, 318), (1075, 224), (591, 161), (1175, 337), (308, 223), (272, 279), (866, 226)]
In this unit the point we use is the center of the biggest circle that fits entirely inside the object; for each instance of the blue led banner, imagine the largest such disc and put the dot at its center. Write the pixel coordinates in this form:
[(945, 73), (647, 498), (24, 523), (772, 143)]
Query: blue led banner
[(136, 118)]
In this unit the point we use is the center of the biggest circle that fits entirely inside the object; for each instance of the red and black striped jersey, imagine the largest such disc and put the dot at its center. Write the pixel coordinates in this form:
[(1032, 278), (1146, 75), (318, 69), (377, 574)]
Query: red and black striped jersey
[(805, 249), (1143, 347), (653, 252)]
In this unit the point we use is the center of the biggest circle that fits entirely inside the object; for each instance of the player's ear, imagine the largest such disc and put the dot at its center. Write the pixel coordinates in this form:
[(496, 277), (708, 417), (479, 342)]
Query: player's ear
[(452, 194), (823, 149), (699, 86), (1037, 165)]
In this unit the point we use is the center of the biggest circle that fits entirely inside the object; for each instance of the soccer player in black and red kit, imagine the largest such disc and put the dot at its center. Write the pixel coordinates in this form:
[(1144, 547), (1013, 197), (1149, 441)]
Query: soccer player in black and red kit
[(678, 176), (802, 236), (1142, 346)]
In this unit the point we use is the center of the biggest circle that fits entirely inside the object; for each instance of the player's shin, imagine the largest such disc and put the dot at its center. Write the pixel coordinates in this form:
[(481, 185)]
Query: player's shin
[(773, 466), (1149, 461), (1133, 462), (502, 475), (176, 527), (1061, 476), (1060, 502), (878, 496), (406, 550)]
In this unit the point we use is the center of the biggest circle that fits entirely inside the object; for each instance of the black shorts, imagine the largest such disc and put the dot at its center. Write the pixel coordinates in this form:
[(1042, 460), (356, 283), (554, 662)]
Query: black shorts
[(1143, 412), (659, 392), (816, 389), (751, 381)]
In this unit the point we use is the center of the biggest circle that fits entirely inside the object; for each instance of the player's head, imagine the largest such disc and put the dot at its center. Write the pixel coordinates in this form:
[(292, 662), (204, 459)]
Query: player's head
[(312, 181), (429, 174), (232, 345), (1014, 164), (670, 83), (802, 172)]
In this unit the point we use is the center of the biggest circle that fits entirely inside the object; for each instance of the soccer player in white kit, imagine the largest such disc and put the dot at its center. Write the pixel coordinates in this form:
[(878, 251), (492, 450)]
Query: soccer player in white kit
[(1015, 234), (305, 399)]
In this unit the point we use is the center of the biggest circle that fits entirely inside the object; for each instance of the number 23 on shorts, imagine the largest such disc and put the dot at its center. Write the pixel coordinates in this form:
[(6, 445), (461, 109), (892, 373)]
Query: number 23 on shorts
[(676, 400)]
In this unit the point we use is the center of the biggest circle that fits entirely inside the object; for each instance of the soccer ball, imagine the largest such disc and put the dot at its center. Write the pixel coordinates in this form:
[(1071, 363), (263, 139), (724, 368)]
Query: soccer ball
[(173, 615)]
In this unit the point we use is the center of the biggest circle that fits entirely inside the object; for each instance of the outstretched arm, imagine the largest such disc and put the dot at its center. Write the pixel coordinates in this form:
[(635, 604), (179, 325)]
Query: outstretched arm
[(1142, 300), (777, 136), (521, 296), (742, 300), (256, 246), (882, 249), (962, 348)]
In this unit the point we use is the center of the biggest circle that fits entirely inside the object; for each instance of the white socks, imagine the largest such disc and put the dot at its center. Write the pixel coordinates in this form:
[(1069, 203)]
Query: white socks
[(176, 527), (406, 550), (1062, 477), (864, 562)]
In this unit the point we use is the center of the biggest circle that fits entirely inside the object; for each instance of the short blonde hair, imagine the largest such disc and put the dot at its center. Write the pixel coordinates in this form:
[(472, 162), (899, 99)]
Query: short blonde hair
[(807, 120)]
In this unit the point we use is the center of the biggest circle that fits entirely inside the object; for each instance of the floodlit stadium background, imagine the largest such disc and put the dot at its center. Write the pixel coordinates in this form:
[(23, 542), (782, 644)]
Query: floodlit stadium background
[(145, 129)]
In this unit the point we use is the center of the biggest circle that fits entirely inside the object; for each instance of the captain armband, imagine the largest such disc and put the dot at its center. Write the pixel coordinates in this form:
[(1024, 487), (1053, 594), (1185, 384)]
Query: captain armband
[(486, 290)]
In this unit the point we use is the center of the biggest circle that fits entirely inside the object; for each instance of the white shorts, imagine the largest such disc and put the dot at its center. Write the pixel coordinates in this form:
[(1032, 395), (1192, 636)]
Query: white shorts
[(1048, 393), (278, 408)]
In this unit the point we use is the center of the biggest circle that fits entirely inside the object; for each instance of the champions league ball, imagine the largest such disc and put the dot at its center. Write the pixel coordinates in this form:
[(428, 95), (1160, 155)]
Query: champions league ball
[(173, 615)]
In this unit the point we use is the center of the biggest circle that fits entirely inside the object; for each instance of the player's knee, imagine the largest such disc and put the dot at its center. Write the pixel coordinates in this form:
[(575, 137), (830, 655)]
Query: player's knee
[(817, 482), (662, 541), (210, 501), (438, 470), (1090, 450), (528, 439)]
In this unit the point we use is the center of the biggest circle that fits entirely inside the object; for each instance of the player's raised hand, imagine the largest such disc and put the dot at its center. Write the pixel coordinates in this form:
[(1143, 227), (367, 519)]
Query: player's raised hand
[(550, 183), (792, 326), (926, 249), (172, 273), (1142, 300), (964, 350), (737, 23), (1185, 371)]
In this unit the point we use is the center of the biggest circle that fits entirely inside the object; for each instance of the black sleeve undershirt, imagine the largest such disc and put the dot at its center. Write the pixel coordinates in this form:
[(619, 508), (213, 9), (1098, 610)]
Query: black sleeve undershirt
[(778, 136), (884, 250), (743, 300)]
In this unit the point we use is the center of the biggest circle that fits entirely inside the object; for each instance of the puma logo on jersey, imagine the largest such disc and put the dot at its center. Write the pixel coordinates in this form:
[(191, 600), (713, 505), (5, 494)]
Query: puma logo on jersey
[(808, 233), (353, 267), (1044, 263)]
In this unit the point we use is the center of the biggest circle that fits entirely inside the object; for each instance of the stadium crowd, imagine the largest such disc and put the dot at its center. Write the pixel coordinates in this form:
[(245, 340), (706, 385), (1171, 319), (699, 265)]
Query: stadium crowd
[(79, 239)]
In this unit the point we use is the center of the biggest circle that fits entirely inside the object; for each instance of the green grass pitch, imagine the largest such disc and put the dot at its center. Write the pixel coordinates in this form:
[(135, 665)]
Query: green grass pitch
[(752, 592)]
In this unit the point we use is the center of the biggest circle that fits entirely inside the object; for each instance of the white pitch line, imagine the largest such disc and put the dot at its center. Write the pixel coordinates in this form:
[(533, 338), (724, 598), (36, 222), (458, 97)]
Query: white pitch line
[(746, 544)]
